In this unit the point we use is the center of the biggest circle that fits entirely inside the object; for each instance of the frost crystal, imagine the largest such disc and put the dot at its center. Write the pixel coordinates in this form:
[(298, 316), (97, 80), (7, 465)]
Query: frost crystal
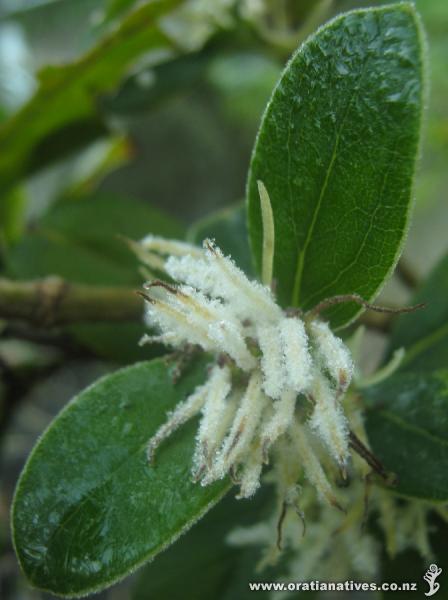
[(278, 380)]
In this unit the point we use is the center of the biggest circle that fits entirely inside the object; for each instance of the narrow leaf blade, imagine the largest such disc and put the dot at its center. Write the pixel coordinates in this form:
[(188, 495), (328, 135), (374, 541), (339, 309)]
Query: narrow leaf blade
[(88, 508), (336, 151)]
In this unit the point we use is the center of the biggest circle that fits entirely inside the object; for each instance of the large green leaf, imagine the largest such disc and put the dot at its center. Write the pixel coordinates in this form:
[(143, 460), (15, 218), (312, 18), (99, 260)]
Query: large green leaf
[(424, 334), (88, 508), (228, 228), (78, 241), (64, 107), (407, 425), (336, 151)]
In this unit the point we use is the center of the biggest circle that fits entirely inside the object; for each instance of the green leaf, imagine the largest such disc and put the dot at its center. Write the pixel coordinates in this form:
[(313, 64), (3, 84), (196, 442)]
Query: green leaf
[(88, 508), (336, 151), (228, 228), (407, 426), (64, 107), (78, 241), (424, 334)]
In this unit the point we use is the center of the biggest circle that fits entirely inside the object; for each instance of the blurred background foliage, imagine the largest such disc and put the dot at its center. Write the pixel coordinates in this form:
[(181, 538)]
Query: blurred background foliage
[(125, 117)]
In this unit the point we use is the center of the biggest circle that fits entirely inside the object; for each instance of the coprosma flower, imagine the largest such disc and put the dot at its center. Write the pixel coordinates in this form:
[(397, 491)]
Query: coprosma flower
[(276, 391), (277, 376)]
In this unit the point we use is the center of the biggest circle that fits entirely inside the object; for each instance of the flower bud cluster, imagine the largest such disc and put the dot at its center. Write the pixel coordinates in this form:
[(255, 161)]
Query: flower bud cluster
[(283, 359)]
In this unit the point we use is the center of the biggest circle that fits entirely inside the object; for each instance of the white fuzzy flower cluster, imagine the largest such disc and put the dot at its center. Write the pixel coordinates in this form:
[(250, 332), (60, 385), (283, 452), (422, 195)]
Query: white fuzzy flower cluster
[(281, 358)]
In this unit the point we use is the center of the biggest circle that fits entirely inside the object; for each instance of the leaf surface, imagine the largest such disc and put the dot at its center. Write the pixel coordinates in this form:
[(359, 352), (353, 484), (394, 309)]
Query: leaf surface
[(88, 508), (407, 425), (336, 151)]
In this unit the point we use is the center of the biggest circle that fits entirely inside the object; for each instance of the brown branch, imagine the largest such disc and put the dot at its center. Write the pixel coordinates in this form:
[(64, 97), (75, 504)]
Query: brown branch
[(53, 301), (346, 298)]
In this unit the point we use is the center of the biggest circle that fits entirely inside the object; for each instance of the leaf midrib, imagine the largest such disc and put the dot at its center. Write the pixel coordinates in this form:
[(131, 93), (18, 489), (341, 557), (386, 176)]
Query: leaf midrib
[(301, 258)]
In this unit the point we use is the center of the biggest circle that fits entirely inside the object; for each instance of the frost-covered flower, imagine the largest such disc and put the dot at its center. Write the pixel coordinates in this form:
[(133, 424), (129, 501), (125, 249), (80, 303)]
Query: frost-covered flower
[(277, 377), (277, 390)]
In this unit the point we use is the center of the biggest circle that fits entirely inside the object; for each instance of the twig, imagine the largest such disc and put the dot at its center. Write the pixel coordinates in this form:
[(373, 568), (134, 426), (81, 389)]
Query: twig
[(53, 301), (345, 298), (362, 450)]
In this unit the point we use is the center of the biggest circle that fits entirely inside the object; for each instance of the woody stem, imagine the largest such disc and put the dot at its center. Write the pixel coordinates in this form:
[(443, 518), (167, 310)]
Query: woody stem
[(52, 301)]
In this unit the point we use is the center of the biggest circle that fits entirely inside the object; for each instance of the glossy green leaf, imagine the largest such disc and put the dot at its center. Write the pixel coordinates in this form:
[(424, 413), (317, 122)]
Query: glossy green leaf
[(228, 228), (78, 241), (88, 508), (407, 426), (64, 107), (336, 151), (424, 334)]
